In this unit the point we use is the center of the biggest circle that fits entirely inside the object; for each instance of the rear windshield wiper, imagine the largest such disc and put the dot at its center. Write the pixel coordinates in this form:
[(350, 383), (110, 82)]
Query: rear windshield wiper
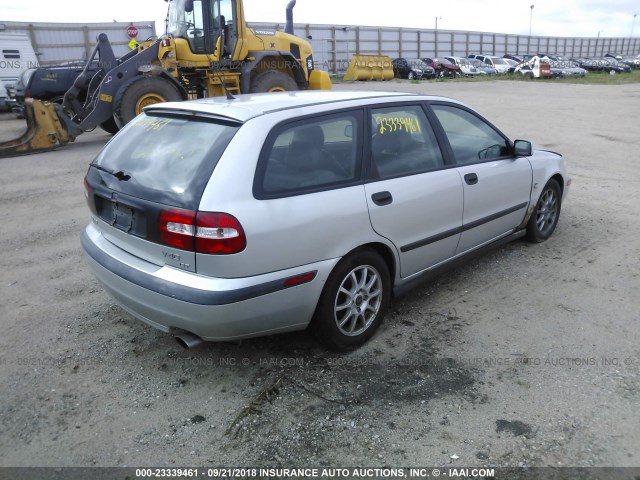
[(119, 174)]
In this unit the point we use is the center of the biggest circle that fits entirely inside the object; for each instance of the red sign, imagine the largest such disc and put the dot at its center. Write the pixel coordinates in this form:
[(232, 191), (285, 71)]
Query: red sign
[(132, 32)]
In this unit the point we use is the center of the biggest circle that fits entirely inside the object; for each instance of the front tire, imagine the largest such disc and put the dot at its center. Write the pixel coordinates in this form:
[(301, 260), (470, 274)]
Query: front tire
[(141, 92), (273, 81), (353, 302), (545, 217)]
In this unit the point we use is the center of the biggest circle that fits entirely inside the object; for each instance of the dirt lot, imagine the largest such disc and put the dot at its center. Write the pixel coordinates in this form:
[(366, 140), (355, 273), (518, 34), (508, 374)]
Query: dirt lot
[(529, 355)]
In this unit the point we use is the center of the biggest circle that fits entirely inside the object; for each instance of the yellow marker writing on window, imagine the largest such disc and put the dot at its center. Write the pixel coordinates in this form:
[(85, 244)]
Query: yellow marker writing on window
[(152, 123), (394, 124)]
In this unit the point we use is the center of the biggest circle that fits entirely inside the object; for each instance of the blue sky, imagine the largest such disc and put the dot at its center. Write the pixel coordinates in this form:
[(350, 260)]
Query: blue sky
[(585, 18)]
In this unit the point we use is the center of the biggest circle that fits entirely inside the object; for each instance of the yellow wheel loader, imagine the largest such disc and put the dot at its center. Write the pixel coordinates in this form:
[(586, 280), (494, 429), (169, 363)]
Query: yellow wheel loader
[(207, 50)]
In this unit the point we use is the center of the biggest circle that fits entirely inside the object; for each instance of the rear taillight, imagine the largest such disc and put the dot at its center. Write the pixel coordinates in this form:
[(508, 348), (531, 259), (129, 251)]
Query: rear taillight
[(177, 228), (88, 196), (202, 232), (219, 234)]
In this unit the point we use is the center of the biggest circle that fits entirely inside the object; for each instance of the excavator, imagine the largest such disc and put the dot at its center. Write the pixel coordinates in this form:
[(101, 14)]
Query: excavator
[(207, 50)]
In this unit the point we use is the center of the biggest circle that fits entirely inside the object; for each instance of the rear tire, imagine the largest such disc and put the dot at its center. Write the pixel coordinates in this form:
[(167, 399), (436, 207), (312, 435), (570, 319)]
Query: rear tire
[(142, 92), (545, 217), (353, 302), (273, 81), (110, 126)]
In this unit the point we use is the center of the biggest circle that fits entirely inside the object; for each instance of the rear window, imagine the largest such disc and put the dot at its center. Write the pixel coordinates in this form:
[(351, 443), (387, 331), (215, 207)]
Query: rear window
[(165, 159), (24, 78)]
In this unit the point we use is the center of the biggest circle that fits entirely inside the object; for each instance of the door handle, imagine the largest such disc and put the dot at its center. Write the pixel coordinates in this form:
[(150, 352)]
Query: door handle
[(382, 198), (471, 178)]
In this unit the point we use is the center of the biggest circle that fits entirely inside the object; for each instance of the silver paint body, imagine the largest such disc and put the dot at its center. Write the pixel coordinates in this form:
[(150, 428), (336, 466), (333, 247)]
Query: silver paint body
[(312, 232)]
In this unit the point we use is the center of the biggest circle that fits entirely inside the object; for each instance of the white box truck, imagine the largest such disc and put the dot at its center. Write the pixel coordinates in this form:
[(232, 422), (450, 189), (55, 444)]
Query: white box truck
[(16, 55)]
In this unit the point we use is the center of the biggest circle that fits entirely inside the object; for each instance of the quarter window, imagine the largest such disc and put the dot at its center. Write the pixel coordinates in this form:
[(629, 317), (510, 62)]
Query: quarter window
[(472, 140), (312, 155), (402, 142)]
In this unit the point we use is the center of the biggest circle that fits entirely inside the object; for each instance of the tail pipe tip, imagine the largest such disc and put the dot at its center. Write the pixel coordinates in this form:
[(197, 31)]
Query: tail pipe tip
[(188, 341)]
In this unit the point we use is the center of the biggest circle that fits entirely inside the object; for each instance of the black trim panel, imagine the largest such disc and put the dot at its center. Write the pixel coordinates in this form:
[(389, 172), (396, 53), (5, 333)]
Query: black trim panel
[(434, 239), (463, 228), (434, 272), (176, 291), (493, 217)]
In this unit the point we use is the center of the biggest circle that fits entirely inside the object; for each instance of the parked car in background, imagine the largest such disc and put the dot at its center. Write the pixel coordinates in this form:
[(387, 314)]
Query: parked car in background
[(467, 69), (512, 64), (566, 68), (632, 61), (4, 96), (187, 251), (495, 62), (591, 64), (478, 65), (603, 64), (412, 69), (534, 67), (616, 66), (18, 92), (516, 58), (443, 67)]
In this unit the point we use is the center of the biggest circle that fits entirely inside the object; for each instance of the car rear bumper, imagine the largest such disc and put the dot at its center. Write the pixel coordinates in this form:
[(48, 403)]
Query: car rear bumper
[(217, 309)]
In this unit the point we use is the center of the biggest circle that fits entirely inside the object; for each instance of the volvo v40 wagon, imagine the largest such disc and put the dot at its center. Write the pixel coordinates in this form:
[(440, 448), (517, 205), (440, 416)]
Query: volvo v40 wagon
[(224, 219)]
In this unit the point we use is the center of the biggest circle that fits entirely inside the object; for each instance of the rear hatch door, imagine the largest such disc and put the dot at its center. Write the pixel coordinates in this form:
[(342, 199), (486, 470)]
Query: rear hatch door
[(156, 168)]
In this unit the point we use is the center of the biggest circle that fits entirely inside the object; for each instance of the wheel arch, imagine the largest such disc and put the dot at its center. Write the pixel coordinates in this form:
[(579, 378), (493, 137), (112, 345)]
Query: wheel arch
[(158, 71), (122, 91), (534, 201), (283, 59), (385, 252), (560, 179)]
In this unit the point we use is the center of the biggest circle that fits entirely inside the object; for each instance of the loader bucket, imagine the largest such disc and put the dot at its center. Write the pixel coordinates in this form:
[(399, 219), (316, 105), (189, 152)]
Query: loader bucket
[(369, 67), (44, 131)]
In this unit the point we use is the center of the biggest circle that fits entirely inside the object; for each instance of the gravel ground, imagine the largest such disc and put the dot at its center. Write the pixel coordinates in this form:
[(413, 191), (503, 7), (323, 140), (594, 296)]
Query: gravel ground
[(527, 356)]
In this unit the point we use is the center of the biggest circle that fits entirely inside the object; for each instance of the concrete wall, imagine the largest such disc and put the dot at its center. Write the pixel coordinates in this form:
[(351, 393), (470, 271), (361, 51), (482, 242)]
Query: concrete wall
[(334, 45), (56, 43)]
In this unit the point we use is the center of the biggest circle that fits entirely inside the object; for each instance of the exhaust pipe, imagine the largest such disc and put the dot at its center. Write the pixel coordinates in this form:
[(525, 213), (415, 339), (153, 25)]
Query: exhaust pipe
[(289, 25), (188, 340)]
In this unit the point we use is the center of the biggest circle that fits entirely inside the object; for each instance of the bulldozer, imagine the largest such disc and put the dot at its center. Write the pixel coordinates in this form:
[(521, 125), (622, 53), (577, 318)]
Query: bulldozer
[(207, 50)]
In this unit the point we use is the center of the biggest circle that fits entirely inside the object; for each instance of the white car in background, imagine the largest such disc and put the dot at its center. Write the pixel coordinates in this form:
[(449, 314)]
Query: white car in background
[(498, 63), (466, 66)]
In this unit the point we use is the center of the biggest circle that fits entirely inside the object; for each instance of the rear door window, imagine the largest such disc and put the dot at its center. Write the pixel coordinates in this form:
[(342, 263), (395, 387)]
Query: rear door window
[(165, 159), (310, 155)]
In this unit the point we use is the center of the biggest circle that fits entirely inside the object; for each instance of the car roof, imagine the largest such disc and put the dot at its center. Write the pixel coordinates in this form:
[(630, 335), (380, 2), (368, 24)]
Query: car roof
[(247, 106)]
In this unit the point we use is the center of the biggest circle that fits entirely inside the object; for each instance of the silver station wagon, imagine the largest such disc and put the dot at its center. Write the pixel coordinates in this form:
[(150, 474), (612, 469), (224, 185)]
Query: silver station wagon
[(223, 219)]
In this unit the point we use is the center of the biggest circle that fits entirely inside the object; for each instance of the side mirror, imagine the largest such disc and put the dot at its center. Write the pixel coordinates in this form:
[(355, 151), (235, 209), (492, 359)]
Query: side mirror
[(348, 131), (522, 148)]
